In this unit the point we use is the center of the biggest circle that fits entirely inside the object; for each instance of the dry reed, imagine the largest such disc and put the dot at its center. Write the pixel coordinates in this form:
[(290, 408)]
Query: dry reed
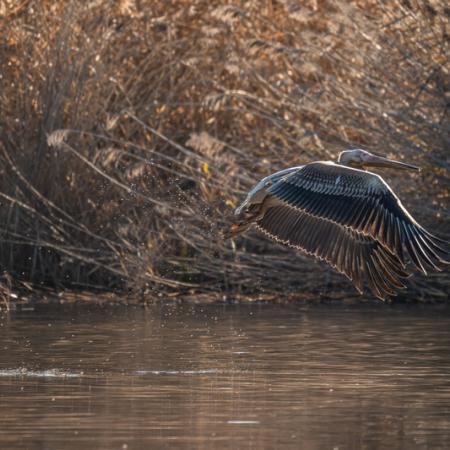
[(130, 130)]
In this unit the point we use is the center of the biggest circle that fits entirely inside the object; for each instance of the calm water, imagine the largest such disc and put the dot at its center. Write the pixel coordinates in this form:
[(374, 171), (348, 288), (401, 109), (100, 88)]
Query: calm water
[(226, 377)]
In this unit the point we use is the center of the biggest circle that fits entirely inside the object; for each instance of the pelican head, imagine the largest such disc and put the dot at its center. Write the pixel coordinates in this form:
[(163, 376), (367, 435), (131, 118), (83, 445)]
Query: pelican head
[(362, 159)]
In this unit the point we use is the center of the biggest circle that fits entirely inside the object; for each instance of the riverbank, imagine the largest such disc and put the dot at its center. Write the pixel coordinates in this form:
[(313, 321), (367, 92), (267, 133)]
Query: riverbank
[(27, 301)]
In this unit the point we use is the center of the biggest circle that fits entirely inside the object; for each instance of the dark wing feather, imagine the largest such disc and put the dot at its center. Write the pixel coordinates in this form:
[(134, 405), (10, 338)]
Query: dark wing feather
[(348, 251), (363, 202)]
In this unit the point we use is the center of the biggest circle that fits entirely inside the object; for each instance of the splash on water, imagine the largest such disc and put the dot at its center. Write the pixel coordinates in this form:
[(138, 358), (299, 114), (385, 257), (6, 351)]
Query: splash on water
[(49, 373), (176, 372), (243, 422)]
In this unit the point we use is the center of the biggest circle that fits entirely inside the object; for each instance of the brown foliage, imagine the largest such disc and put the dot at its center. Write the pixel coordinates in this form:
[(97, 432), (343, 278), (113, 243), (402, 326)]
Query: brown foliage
[(130, 130)]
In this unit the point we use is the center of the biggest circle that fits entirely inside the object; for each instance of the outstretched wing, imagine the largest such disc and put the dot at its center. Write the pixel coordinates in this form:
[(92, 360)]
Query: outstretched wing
[(360, 201), (348, 251)]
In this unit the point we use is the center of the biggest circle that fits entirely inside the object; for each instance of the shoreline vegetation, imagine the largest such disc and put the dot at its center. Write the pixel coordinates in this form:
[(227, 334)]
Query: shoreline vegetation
[(130, 130)]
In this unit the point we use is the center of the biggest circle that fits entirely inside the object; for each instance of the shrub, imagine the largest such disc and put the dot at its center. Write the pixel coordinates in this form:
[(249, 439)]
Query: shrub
[(130, 130)]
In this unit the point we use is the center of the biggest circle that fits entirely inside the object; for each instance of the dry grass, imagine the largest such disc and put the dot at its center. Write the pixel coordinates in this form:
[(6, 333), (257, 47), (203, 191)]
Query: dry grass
[(129, 130)]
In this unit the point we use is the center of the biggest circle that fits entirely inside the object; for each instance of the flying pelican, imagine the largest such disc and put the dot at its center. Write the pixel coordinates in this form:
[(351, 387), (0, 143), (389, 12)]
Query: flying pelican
[(346, 216)]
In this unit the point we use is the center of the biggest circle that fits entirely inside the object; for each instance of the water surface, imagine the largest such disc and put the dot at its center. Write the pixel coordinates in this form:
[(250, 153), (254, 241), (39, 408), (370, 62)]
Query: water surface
[(226, 377)]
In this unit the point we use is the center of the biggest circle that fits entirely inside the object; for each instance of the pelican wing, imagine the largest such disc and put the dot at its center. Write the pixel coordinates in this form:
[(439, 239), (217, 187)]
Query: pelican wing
[(346, 250), (363, 202)]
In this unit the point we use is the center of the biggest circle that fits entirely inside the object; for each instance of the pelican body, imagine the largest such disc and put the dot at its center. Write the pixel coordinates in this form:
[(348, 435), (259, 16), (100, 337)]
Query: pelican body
[(346, 216)]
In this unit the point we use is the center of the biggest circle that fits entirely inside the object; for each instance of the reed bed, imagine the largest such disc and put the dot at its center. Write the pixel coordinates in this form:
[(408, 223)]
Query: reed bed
[(130, 130)]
